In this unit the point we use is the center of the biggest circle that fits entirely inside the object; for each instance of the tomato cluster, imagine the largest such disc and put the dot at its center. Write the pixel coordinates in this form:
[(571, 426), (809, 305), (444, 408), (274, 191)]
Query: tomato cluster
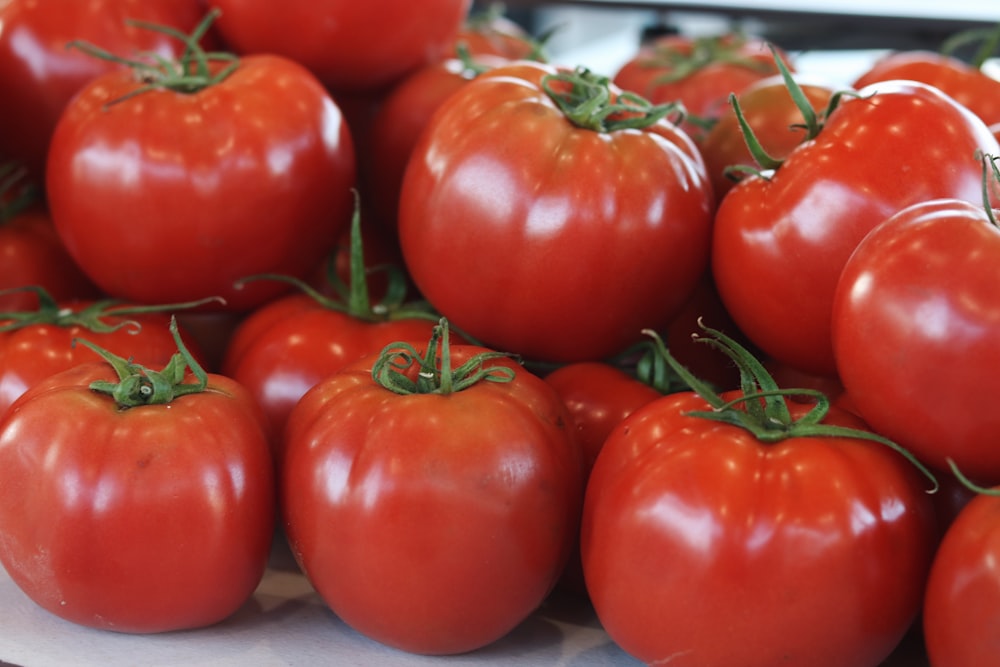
[(706, 341)]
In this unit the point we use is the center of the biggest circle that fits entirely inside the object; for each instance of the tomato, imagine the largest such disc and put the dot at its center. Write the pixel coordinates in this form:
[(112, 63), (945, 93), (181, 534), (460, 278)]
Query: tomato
[(700, 72), (708, 543), (350, 46), (776, 120), (916, 301), (782, 238), (490, 32), (31, 252), (37, 344), (139, 519), (401, 117), (227, 181), (962, 603), (431, 522), (35, 62), (965, 82), (542, 237)]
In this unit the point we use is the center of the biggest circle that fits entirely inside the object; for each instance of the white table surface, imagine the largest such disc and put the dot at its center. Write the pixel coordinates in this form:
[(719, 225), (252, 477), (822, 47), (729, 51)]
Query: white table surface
[(286, 623)]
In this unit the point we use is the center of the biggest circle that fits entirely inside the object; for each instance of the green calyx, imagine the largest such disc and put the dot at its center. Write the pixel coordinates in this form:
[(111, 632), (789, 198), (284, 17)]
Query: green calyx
[(588, 102), (434, 375), (195, 70), (986, 41), (812, 121), (91, 317), (762, 408), (705, 51), (138, 385), (354, 299), (17, 193)]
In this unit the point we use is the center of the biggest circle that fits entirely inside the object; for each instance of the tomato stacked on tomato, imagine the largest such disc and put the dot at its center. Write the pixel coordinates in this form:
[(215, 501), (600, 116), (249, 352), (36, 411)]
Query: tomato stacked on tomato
[(586, 223)]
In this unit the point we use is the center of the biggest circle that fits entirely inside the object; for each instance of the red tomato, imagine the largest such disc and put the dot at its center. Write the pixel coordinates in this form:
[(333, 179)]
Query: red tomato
[(35, 62), (597, 396), (285, 347), (153, 518), (782, 238), (401, 117), (915, 324), (228, 182), (462, 505), (962, 603), (541, 237), (776, 120), (32, 254), (703, 546), (31, 352), (699, 72), (490, 32), (966, 83), (350, 46)]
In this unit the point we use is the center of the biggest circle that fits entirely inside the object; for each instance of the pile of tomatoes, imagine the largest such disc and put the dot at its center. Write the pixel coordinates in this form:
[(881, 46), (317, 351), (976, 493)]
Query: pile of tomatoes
[(705, 340)]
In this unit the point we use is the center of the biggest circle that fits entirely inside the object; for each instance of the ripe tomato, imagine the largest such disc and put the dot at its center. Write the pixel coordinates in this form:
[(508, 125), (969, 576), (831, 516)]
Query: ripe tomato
[(917, 301), (542, 237), (142, 519), (490, 32), (962, 603), (700, 72), (776, 120), (402, 115), (461, 506), (781, 238), (350, 46), (966, 83), (35, 62), (31, 252), (228, 181), (37, 344), (704, 546)]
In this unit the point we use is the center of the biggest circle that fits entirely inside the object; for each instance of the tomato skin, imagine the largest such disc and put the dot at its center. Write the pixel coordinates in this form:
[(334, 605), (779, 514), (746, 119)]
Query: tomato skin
[(143, 520), (962, 603), (917, 301), (781, 242), (227, 182), (776, 121), (702, 545), (284, 348), (401, 117), (462, 506), (705, 90), (31, 253), (334, 38), (33, 353), (35, 62), (965, 83), (608, 232)]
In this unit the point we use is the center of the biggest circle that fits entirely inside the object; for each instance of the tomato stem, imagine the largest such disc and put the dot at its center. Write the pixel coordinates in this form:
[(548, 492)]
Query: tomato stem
[(987, 38), (138, 385), (434, 372), (762, 408), (193, 71), (16, 192), (989, 168), (587, 101), (353, 298), (90, 317), (705, 51)]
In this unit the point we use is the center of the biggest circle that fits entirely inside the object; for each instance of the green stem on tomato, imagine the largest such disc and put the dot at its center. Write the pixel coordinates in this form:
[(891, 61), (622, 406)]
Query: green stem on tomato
[(761, 407), (434, 373), (190, 73), (90, 317), (138, 385), (587, 101)]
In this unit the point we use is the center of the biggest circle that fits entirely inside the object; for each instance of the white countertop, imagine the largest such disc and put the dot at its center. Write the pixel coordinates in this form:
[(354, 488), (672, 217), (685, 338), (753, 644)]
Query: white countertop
[(286, 623)]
